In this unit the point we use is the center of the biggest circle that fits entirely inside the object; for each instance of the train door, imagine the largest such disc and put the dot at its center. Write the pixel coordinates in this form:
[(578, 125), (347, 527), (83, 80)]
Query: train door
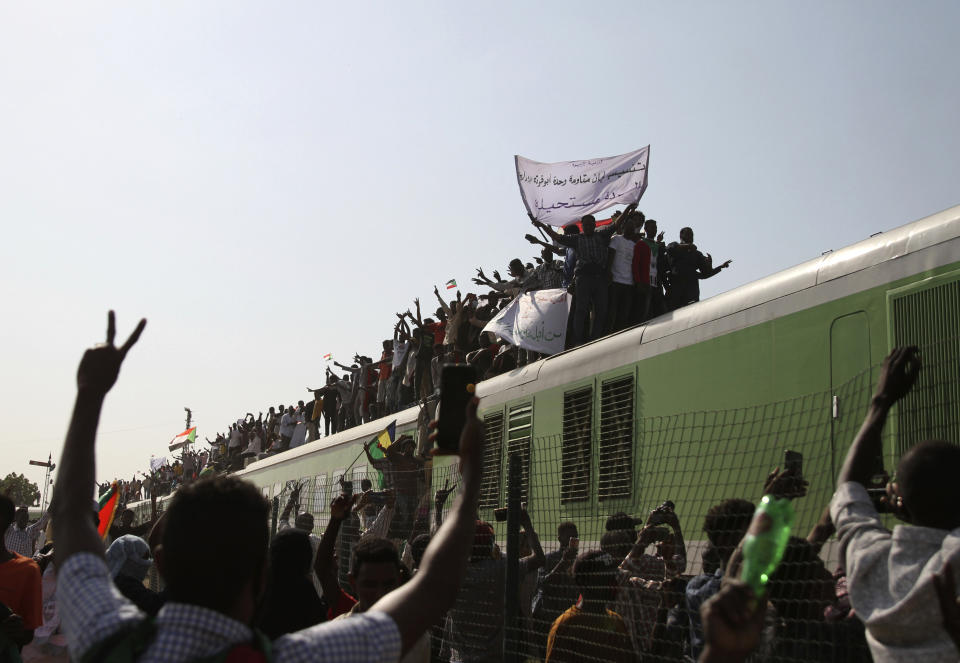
[(850, 381)]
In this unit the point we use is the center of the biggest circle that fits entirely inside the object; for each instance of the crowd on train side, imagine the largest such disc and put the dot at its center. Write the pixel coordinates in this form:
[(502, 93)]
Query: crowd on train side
[(619, 272), (429, 582)]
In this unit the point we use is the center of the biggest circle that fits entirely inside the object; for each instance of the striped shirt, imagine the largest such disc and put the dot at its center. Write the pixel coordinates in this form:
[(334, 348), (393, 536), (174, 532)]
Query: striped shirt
[(24, 541), (92, 609)]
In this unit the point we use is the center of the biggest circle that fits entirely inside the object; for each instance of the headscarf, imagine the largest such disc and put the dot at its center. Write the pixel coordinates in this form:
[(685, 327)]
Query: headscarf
[(129, 555)]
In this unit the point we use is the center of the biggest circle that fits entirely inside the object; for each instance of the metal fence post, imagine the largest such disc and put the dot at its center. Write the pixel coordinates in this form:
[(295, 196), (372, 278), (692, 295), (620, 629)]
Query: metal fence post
[(274, 516), (511, 599)]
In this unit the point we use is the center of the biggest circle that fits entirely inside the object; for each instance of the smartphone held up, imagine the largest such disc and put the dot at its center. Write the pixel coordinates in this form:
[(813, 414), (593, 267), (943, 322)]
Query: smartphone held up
[(457, 386)]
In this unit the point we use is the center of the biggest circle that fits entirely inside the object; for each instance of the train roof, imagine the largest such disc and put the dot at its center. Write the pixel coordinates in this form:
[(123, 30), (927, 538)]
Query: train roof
[(734, 309), (363, 431)]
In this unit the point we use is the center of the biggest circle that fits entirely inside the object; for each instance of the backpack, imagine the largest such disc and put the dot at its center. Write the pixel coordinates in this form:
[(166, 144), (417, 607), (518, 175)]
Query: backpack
[(129, 644)]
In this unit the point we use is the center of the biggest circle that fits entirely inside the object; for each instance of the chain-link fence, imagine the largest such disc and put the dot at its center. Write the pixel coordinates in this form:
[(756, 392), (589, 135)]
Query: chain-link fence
[(628, 530)]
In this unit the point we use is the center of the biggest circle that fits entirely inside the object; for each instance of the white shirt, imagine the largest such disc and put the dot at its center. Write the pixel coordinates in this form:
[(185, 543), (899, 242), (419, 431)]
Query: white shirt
[(23, 541), (92, 610), (622, 268), (889, 576), (287, 424)]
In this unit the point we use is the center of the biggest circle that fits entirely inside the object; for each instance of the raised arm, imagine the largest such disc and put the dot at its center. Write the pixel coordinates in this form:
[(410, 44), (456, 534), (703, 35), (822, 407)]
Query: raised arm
[(553, 234), (323, 564), (420, 603), (443, 304), (73, 528), (865, 458), (536, 558)]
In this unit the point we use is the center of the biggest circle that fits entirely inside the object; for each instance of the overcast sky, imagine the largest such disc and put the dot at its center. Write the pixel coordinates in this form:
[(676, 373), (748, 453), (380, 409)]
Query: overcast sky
[(269, 182)]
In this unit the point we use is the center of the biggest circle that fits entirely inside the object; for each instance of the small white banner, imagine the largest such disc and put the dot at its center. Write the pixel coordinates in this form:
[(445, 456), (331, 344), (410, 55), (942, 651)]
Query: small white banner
[(534, 321), (560, 193), (157, 463)]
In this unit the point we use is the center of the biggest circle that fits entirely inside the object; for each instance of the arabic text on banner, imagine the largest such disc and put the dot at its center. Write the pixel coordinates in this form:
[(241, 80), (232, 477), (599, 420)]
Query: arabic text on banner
[(560, 193), (534, 321)]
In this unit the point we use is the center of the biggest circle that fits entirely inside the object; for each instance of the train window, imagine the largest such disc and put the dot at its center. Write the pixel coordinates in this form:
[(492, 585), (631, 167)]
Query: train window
[(277, 490), (576, 452), (266, 491), (320, 494), (928, 316), (335, 478), (490, 486), (359, 474), (519, 429), (616, 438)]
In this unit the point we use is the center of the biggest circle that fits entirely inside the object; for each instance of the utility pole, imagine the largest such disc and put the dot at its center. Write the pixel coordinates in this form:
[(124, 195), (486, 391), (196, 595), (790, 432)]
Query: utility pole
[(50, 465)]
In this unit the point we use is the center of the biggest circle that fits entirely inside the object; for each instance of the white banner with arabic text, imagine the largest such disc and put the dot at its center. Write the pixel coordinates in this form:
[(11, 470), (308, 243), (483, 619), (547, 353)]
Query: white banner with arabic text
[(534, 321), (560, 193)]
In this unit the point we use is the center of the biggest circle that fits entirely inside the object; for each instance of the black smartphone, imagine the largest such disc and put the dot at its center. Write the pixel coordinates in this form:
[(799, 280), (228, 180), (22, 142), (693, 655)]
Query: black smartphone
[(457, 384), (793, 463)]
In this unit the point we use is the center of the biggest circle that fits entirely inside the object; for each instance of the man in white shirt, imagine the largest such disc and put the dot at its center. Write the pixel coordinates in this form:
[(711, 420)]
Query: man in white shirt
[(890, 575), (288, 424), (623, 291), (22, 538)]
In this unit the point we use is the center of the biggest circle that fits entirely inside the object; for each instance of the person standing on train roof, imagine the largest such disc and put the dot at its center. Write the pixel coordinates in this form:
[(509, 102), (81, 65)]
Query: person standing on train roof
[(590, 274), (687, 267)]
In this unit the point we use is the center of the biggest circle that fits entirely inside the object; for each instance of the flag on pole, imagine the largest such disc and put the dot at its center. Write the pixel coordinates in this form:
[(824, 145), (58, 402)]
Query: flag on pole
[(186, 437), (107, 510), (386, 437), (328, 356), (451, 284)]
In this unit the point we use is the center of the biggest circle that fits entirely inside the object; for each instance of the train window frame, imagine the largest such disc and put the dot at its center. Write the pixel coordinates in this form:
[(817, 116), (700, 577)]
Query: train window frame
[(521, 444), (492, 461), (610, 438), (577, 397)]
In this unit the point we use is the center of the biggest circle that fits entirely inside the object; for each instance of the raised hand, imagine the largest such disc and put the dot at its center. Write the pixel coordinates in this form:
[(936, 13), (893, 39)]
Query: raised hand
[(496, 275), (660, 236), (100, 365), (340, 507), (899, 373), (442, 493), (785, 484), (725, 264)]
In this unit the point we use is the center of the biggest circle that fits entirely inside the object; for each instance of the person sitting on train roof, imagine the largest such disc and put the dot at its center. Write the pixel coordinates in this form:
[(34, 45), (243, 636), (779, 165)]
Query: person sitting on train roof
[(687, 267), (890, 575), (213, 596)]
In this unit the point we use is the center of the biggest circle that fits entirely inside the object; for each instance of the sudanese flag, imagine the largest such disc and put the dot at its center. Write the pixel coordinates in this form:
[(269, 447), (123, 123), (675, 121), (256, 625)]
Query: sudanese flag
[(108, 509)]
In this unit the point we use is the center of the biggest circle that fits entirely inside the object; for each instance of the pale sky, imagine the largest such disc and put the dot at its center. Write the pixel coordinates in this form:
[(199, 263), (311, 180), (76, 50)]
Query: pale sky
[(269, 182)]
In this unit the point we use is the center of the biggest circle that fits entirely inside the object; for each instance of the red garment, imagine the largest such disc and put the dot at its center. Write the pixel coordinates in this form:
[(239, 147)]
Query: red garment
[(437, 329), (641, 262), (20, 589), (386, 366), (342, 606)]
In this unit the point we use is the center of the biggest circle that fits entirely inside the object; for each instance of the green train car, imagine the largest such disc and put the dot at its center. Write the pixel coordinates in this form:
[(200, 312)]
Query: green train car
[(698, 405)]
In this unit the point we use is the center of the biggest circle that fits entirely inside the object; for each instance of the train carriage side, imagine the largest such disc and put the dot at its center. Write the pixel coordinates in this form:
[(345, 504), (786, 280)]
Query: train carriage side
[(318, 465), (699, 405)]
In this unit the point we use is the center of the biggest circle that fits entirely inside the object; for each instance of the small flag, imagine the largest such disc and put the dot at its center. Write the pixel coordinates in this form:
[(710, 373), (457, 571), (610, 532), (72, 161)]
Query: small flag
[(328, 356), (385, 439), (108, 509), (186, 437), (451, 284)]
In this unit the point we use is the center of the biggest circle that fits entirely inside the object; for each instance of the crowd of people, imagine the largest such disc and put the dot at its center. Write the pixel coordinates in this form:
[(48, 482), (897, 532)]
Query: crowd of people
[(619, 274), (400, 575)]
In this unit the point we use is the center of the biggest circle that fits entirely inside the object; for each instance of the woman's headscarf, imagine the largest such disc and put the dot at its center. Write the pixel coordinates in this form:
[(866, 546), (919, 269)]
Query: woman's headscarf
[(129, 555)]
